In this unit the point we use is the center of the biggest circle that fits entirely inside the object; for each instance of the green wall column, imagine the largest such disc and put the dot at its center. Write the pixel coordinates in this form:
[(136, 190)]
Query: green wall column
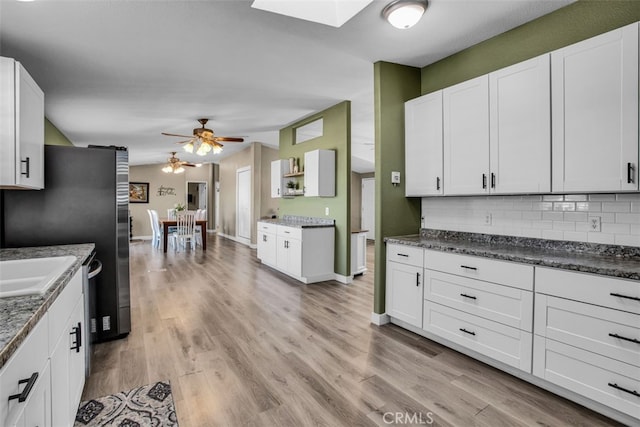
[(395, 213)]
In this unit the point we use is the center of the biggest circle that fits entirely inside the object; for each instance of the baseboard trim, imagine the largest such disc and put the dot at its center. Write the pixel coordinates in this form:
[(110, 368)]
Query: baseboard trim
[(380, 319), (343, 279), (237, 240), (142, 238)]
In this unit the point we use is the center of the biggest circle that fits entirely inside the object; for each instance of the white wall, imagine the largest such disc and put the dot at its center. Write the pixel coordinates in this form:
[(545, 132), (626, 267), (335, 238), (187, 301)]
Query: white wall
[(557, 217)]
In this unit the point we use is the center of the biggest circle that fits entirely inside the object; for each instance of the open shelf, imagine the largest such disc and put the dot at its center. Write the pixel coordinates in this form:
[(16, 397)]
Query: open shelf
[(291, 175)]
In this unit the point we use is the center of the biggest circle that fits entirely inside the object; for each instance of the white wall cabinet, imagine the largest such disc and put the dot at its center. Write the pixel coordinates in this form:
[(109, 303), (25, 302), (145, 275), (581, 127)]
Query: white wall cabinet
[(595, 113), (466, 137), (278, 169), (520, 128), (423, 146), (320, 173), (21, 128), (306, 254)]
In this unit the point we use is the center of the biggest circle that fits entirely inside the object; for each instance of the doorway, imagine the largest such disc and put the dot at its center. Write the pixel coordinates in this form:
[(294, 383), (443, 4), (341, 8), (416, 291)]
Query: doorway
[(368, 221), (196, 195), (243, 205)]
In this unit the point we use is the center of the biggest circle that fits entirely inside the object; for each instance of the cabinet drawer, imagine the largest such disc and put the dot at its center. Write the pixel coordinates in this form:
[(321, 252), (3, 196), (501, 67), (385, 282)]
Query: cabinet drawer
[(489, 270), (589, 327), (61, 309), (504, 343), (588, 374), (405, 254), (290, 232), (503, 304), (267, 227), (28, 359), (599, 290)]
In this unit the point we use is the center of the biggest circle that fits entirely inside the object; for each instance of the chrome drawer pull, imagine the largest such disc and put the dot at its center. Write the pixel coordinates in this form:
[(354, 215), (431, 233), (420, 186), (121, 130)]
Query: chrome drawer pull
[(613, 294), (467, 332), (404, 255), (468, 296), (625, 338), (469, 268), (616, 386), (27, 389)]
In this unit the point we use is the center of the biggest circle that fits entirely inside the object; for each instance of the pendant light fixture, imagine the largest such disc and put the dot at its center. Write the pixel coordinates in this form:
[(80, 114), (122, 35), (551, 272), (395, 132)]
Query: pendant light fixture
[(404, 14)]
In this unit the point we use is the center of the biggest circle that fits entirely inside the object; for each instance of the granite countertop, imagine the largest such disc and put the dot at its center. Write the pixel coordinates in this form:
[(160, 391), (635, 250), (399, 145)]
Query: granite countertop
[(18, 315), (608, 260), (300, 221)]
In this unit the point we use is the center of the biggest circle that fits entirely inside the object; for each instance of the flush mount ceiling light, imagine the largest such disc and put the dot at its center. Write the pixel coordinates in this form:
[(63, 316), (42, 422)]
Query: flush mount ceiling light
[(404, 14)]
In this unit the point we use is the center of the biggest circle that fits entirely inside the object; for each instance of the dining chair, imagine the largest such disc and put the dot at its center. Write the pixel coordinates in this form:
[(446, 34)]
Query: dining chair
[(156, 231), (171, 213), (200, 214), (185, 230)]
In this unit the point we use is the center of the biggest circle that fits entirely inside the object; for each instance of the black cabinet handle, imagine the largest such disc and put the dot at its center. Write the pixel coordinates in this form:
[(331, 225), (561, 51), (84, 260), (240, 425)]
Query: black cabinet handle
[(469, 268), (417, 279), (27, 389), (468, 296), (467, 332), (630, 173), (613, 294), (27, 164), (625, 338), (484, 181), (404, 255), (264, 237), (493, 180), (278, 191), (437, 183), (626, 390), (77, 331)]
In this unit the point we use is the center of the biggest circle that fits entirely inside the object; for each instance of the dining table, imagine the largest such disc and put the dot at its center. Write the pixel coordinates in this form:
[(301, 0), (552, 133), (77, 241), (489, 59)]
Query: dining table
[(167, 222)]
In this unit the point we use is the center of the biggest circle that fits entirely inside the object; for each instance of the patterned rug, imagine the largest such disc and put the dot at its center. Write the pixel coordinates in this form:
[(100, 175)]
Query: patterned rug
[(147, 406)]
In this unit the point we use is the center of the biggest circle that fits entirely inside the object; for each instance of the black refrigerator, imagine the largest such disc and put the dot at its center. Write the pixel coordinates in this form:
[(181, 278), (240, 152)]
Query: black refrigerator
[(85, 200)]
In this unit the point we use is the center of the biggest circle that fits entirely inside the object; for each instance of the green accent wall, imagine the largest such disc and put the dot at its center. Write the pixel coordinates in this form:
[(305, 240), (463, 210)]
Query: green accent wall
[(571, 24), (336, 136), (395, 214), (52, 136)]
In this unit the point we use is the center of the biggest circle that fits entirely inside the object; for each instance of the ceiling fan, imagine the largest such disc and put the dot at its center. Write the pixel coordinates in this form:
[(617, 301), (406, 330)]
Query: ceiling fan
[(175, 165), (203, 140)]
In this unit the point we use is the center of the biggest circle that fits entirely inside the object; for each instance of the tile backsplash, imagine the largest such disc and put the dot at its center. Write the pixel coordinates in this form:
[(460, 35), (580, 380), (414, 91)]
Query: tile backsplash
[(558, 217)]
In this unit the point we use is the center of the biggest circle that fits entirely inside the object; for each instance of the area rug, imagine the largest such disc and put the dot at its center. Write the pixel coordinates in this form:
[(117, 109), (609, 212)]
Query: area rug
[(147, 406)]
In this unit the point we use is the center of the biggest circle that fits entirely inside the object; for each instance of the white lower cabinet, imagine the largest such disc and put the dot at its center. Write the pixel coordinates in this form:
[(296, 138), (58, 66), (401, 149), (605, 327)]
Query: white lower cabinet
[(305, 254), (358, 253), (404, 293), (47, 370)]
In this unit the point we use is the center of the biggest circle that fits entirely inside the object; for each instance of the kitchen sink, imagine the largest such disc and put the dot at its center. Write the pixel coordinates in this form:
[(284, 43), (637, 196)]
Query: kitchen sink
[(33, 276)]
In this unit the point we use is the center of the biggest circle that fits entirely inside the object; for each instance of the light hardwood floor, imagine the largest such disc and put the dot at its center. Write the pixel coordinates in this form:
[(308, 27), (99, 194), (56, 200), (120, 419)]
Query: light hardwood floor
[(245, 345)]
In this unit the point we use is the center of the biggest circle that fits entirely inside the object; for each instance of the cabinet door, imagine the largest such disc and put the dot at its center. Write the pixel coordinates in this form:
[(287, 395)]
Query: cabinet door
[(595, 113), (520, 128), (466, 137), (277, 171), (404, 293), (76, 357), (294, 255), (282, 257), (423, 145), (361, 253), (37, 408), (267, 247), (320, 173), (30, 131), (60, 366)]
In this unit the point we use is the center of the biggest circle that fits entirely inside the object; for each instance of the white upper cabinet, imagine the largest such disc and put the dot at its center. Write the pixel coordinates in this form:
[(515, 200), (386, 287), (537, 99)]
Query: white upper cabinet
[(278, 169), (466, 137), (423, 145), (595, 113), (21, 128), (320, 173), (520, 128)]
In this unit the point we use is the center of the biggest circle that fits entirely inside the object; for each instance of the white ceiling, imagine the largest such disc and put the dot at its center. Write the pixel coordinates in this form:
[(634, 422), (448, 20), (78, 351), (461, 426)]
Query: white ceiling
[(118, 72)]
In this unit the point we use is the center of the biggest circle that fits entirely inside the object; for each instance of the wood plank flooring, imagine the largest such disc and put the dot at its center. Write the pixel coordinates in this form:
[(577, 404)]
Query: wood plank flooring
[(245, 345)]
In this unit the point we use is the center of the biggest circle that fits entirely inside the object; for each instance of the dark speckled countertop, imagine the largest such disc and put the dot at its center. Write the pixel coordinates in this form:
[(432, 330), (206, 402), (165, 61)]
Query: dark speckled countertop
[(608, 260), (300, 221), (18, 315)]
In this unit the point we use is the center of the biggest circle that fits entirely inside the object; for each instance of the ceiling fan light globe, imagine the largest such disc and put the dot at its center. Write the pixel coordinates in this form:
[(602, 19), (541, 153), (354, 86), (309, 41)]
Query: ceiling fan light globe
[(188, 147), (203, 149), (217, 149), (180, 169), (167, 169)]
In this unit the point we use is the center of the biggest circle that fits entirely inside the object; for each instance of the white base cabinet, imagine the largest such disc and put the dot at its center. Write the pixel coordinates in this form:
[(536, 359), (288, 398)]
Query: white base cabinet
[(358, 253), (306, 254)]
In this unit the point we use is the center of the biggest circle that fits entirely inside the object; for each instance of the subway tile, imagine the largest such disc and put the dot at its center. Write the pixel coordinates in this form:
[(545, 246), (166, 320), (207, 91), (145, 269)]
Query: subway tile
[(575, 197), (553, 216), (531, 232), (628, 218), (522, 206), (532, 215), (628, 197), (635, 228), (616, 207), (531, 198), (513, 215), (576, 236), (583, 226), (552, 234), (576, 216), (553, 198), (627, 240), (543, 225), (564, 206), (564, 225), (542, 206), (615, 228), (608, 239), (602, 197), (635, 207), (589, 206)]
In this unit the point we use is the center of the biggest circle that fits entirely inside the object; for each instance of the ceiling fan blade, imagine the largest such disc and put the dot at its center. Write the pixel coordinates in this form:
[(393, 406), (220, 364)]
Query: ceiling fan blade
[(228, 139), (175, 134), (191, 165), (186, 140)]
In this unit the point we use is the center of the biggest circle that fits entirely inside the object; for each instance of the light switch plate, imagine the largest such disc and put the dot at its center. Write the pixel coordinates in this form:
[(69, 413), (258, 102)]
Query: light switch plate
[(395, 177)]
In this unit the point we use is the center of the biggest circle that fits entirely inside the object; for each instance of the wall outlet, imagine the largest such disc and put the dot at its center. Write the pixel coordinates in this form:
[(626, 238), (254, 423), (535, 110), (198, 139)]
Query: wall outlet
[(594, 223), (487, 218), (106, 323), (326, 211)]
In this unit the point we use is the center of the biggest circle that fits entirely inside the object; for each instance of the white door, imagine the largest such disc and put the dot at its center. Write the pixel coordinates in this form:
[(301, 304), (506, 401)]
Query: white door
[(368, 218), (243, 204), (216, 200), (595, 113), (466, 137), (423, 145)]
